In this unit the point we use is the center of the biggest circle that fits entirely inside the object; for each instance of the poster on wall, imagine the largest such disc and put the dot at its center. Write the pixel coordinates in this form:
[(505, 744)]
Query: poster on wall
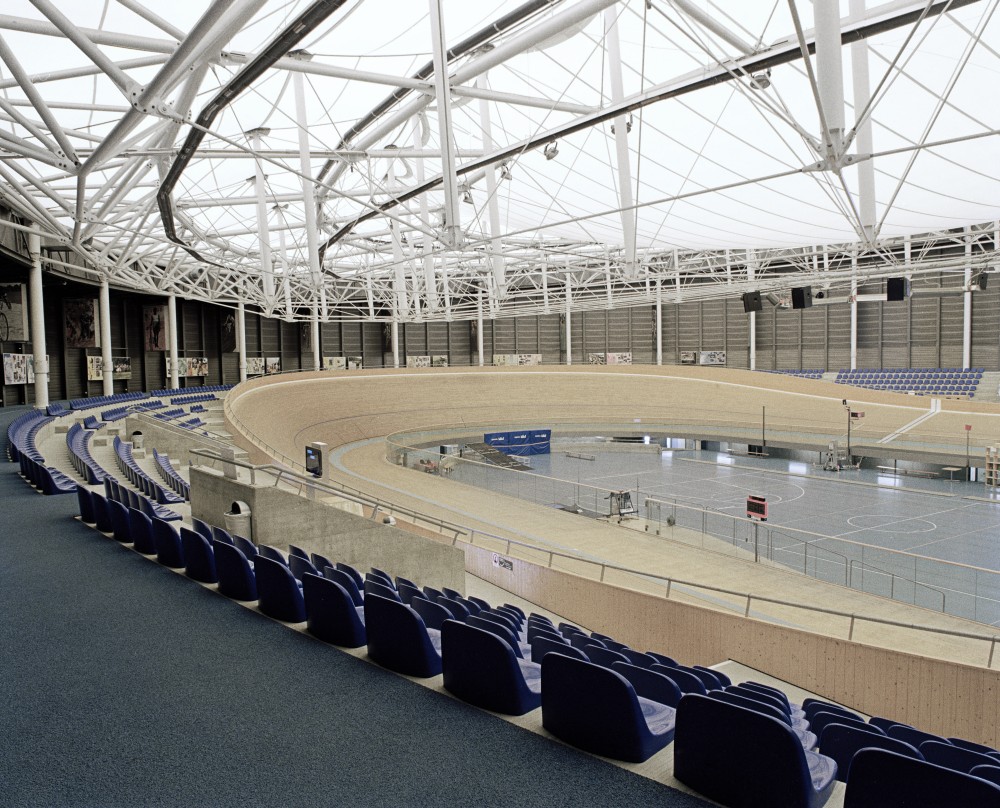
[(595, 359), (182, 367), (15, 368), (197, 366), (13, 313), (620, 358), (418, 361), (272, 364), (355, 363), (31, 367), (255, 366), (121, 367), (154, 327), (439, 361), (334, 363), (95, 368), (688, 357), (712, 358), (517, 359), (228, 341), (80, 318)]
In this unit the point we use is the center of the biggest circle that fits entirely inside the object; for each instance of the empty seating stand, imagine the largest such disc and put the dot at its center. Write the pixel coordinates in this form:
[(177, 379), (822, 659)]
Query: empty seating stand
[(78, 443), (104, 401), (951, 382), (171, 476), (802, 374), (21, 446), (139, 478)]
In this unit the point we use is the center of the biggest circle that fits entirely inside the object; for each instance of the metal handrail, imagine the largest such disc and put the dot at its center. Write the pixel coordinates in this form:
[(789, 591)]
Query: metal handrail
[(313, 485), (748, 597)]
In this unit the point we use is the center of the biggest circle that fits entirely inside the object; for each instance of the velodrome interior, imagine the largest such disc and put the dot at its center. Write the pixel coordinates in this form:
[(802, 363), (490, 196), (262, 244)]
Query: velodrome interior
[(251, 228)]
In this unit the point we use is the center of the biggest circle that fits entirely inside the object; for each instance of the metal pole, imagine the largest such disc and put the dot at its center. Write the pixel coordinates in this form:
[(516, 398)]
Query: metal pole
[(569, 330), (659, 322), (756, 544), (849, 434), (968, 463), (763, 431), (241, 338)]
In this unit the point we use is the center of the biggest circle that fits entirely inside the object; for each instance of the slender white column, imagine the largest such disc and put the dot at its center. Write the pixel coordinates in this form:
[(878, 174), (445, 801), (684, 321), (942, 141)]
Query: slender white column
[(305, 169), (38, 322), (829, 73), (317, 361), (659, 322), (854, 312), (862, 94), (569, 329), (105, 318), (967, 304), (241, 338), (753, 315), (263, 233), (395, 342), (451, 231), (492, 203), (172, 340), (479, 326)]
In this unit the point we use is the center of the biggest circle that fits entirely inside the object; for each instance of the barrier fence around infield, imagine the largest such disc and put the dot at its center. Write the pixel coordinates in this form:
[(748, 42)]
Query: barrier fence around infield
[(949, 587)]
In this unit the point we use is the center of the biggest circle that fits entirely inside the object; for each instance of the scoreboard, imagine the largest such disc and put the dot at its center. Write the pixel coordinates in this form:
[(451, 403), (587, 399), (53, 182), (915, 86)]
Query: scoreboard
[(757, 508)]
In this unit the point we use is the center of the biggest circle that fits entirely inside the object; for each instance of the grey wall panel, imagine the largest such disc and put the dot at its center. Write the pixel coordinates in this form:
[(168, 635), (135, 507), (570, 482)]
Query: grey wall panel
[(712, 314), (688, 327), (373, 346), (503, 336), (550, 338), (766, 346), (414, 340), (461, 345), (291, 343), (252, 334), (986, 326), (350, 334), (270, 336), (737, 335), (437, 338), (641, 336), (526, 335), (838, 336)]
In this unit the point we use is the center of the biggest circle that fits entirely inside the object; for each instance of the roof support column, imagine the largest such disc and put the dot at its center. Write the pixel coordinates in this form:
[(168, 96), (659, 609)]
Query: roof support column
[(451, 230), (241, 338), (854, 311), (753, 314), (659, 322), (172, 339), (569, 311), (863, 139), (395, 341), (479, 325), (35, 295), (492, 205), (829, 75), (967, 304), (108, 367), (621, 127), (263, 232), (314, 335)]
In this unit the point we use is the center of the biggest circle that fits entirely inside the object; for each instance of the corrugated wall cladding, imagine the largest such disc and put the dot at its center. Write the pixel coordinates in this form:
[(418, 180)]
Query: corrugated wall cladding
[(922, 331)]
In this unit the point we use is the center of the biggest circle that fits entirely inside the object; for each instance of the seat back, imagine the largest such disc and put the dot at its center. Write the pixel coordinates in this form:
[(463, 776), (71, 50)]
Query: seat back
[(198, 556), (267, 551), (706, 677), (481, 669), (120, 527), (299, 565), (975, 747), (911, 735), (236, 579), (245, 546), (297, 551), (823, 719), (346, 581), (882, 723), (954, 757), (142, 532), (407, 593), (541, 645), (604, 657), (649, 684), (330, 613), (224, 535), (724, 680), (731, 697), (812, 706), (500, 620), (168, 545), (433, 614), (687, 682), (638, 658), (843, 741), (500, 631), (458, 611), (373, 587), (768, 690), (662, 659), (760, 696), (483, 604), (890, 780), (321, 562), (278, 592), (991, 773), (359, 582), (398, 639), (593, 708), (86, 504), (737, 756), (202, 527)]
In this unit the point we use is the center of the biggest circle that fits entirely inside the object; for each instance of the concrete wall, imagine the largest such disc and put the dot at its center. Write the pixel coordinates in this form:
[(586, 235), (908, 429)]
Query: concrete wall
[(280, 517)]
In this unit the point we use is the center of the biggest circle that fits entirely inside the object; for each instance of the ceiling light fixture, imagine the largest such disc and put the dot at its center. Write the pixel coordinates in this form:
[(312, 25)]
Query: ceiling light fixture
[(551, 150)]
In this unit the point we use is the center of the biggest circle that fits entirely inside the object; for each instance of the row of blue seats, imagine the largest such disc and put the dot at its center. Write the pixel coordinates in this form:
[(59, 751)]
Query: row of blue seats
[(599, 708), (139, 478), (171, 476), (78, 443), (195, 399), (22, 430), (114, 414), (57, 408), (114, 491), (21, 435), (177, 391), (103, 401), (846, 372), (806, 374)]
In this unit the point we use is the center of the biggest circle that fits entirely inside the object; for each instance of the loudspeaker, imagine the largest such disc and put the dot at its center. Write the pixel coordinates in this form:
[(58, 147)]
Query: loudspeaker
[(982, 281), (802, 297), (751, 302), (897, 288)]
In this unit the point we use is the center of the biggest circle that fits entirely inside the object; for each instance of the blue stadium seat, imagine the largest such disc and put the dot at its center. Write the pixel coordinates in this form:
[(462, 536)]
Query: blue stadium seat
[(278, 592), (399, 640), (843, 741), (331, 614)]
